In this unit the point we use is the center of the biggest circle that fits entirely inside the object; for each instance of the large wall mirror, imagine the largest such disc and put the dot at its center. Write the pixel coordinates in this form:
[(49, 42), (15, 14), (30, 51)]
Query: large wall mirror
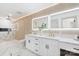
[(69, 22)]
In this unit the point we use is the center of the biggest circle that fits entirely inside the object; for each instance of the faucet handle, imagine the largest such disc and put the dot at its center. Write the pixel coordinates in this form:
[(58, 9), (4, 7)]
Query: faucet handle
[(77, 37)]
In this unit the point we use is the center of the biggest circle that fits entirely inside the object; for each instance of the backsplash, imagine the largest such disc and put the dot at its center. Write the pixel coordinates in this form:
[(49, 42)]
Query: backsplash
[(67, 34)]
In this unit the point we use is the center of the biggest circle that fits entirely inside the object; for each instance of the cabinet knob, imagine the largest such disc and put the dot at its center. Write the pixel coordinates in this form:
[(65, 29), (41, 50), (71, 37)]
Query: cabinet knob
[(47, 46), (29, 41), (36, 50)]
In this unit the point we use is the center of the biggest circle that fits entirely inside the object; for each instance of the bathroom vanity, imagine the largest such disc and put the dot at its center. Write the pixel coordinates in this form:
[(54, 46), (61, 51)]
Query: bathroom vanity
[(66, 22), (51, 46)]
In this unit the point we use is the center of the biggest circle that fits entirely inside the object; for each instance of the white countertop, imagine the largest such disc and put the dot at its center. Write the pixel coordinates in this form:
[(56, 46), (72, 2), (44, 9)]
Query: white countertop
[(61, 39)]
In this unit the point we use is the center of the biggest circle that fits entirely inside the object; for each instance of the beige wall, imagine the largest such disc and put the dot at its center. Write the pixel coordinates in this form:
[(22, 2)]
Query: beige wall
[(25, 22), (20, 30)]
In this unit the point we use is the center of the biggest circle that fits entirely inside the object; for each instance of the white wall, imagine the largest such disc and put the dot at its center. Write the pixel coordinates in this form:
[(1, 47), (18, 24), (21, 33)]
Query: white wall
[(4, 23)]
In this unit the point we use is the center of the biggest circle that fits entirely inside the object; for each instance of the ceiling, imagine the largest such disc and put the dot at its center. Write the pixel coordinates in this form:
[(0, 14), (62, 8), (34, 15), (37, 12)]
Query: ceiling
[(21, 9)]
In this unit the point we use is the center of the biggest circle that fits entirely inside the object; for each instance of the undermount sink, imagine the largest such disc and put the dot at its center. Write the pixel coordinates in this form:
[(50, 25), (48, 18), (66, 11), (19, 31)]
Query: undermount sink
[(76, 39)]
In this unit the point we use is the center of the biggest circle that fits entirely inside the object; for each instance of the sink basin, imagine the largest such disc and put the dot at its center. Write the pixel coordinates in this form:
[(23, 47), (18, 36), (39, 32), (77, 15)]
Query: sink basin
[(76, 39)]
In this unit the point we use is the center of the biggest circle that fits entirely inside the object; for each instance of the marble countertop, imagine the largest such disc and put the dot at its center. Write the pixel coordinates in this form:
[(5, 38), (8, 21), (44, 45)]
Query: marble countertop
[(61, 39)]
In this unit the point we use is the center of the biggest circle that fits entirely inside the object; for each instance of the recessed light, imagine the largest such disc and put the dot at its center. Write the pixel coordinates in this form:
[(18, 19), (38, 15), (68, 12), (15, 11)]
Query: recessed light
[(19, 12)]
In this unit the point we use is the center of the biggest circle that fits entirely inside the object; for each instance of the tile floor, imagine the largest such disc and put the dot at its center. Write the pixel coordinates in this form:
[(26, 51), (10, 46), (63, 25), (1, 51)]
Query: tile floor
[(14, 48)]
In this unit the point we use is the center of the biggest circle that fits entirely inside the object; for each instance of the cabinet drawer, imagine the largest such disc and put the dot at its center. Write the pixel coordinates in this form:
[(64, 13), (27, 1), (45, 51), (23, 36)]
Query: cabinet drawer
[(69, 47)]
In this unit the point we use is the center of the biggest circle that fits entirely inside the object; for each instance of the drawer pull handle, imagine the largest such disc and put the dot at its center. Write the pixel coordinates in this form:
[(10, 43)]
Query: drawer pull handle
[(36, 50), (36, 39), (76, 49), (36, 43)]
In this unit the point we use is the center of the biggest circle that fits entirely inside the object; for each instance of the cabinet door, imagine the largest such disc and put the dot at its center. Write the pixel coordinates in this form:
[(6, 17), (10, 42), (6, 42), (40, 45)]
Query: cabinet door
[(49, 47), (30, 43), (53, 48), (43, 49)]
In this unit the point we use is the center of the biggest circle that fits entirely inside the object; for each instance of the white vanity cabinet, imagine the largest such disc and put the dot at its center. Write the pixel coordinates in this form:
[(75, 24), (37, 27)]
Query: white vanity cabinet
[(43, 46)]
